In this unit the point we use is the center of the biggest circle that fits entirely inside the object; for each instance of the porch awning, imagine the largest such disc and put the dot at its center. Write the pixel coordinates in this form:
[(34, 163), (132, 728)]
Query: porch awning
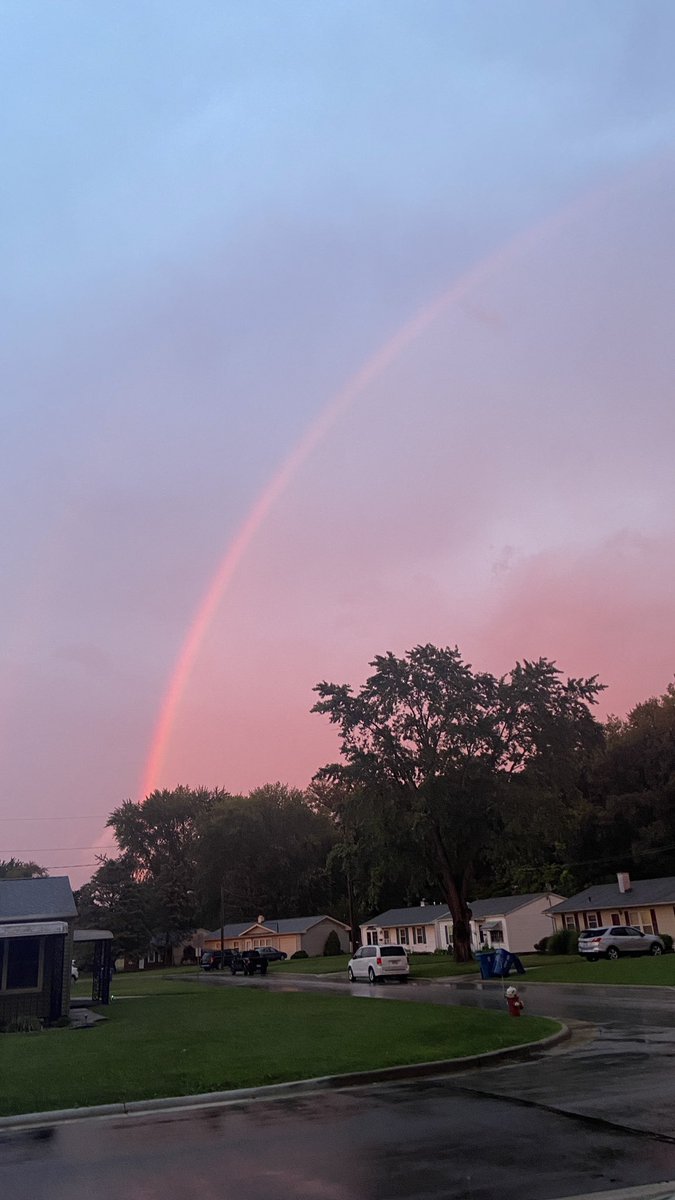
[(34, 929), (492, 925), (92, 935)]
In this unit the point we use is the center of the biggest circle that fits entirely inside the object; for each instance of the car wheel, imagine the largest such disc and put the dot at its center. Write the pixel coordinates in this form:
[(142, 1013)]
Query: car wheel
[(655, 949), (613, 953), (591, 957), (371, 975), (350, 973), (403, 978)]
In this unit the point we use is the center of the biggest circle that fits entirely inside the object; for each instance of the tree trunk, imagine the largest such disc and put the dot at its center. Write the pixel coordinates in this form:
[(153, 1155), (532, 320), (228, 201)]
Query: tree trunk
[(461, 916)]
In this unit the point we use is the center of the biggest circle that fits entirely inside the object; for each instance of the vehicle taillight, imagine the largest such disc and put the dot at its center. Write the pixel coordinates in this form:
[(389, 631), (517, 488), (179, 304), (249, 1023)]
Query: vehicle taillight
[(379, 962)]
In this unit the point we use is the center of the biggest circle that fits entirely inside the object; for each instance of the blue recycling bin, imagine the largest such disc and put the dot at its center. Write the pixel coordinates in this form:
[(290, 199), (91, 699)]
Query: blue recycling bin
[(486, 963), (505, 962)]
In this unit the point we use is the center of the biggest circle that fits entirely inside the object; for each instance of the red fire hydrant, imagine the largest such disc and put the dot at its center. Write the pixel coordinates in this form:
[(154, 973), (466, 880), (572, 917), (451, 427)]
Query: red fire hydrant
[(514, 1002)]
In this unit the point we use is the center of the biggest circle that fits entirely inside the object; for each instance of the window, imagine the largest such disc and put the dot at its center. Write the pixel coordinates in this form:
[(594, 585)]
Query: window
[(21, 964), (496, 936), (385, 937), (402, 936), (447, 934), (593, 922), (371, 935), (420, 935), (393, 952), (570, 923), (641, 919)]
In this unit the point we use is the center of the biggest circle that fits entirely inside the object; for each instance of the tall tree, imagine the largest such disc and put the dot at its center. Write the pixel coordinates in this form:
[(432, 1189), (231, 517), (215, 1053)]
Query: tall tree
[(14, 868), (438, 745), (158, 840)]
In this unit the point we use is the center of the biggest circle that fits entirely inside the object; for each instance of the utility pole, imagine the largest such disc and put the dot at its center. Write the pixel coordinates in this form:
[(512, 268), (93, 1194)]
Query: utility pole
[(222, 924)]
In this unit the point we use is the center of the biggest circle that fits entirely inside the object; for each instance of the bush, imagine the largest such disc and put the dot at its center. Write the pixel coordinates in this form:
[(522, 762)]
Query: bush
[(332, 946), (300, 954), (667, 941), (447, 953), (541, 946), (563, 941), (23, 1024)]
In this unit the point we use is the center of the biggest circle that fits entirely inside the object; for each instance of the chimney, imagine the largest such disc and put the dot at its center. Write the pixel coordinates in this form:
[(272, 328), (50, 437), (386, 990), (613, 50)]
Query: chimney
[(623, 879), (261, 919)]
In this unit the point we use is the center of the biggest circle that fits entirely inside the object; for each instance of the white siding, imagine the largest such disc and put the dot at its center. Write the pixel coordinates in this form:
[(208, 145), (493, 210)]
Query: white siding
[(314, 940)]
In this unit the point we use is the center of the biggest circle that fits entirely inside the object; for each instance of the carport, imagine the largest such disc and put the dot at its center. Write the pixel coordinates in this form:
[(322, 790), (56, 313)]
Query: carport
[(100, 975)]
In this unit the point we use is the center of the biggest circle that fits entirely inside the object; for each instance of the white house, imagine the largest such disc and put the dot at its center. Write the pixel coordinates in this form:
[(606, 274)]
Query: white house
[(514, 922)]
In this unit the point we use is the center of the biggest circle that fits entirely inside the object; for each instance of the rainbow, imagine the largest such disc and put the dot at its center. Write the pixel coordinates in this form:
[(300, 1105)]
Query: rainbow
[(372, 370)]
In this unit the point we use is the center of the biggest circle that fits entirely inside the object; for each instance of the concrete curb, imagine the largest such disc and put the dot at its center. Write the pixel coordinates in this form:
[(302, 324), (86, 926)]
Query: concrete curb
[(653, 1191), (276, 1091)]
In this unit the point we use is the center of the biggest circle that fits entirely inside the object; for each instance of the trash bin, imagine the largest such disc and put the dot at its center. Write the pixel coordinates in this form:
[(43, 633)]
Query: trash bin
[(486, 963), (502, 963)]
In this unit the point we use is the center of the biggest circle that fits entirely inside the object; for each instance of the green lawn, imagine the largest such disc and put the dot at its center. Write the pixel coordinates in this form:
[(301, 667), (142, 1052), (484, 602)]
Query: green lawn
[(650, 972), (178, 1039)]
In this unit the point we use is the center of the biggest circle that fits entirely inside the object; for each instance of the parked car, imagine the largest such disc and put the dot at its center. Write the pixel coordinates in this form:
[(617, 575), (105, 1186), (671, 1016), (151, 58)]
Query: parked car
[(74, 973), (248, 962), (614, 940), (271, 953), (213, 960), (379, 962)]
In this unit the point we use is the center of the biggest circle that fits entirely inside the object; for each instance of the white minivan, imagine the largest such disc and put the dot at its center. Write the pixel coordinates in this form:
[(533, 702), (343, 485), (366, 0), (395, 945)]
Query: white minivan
[(379, 962)]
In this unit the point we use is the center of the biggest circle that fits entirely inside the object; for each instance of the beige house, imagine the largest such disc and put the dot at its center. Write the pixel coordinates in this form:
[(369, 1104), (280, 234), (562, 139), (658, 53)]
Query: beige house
[(514, 922), (289, 935), (646, 904)]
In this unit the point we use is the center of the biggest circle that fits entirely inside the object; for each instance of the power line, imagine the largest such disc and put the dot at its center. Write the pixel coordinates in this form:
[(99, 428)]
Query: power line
[(54, 849), (62, 817)]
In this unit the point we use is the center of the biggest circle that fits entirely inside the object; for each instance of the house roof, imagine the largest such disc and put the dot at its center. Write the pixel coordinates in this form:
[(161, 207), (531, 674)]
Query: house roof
[(501, 906), (607, 895), (427, 914), (424, 914), (286, 925), (37, 899)]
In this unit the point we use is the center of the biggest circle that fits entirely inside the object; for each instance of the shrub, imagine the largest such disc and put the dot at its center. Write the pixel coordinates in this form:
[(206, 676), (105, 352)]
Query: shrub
[(24, 1024), (332, 946), (563, 941), (447, 953), (541, 945), (667, 941), (300, 954)]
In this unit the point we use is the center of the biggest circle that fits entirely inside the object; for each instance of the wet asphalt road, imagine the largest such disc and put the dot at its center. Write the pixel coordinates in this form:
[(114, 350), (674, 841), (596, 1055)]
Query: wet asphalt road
[(596, 1116)]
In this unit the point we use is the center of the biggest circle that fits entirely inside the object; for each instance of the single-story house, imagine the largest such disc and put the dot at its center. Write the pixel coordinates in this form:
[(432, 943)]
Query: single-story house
[(290, 935), (514, 922), (36, 948), (646, 904)]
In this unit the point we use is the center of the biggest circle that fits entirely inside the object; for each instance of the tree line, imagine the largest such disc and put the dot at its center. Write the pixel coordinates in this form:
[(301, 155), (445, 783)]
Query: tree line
[(451, 784)]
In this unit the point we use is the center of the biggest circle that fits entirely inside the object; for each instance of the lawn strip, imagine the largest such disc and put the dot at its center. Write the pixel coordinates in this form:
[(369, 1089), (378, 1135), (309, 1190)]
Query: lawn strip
[(224, 1038)]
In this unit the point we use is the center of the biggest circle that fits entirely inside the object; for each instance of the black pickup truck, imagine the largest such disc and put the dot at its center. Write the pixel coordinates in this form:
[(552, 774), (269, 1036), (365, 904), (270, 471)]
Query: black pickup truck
[(248, 962)]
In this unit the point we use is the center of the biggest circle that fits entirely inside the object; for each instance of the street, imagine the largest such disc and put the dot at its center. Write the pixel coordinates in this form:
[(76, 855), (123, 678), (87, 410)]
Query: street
[(600, 1114)]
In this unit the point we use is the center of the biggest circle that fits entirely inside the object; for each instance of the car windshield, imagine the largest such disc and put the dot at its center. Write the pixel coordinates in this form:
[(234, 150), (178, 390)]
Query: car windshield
[(392, 951)]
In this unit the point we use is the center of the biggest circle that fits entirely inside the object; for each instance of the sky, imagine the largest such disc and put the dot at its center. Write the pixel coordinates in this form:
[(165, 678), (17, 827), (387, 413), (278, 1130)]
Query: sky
[(367, 307)]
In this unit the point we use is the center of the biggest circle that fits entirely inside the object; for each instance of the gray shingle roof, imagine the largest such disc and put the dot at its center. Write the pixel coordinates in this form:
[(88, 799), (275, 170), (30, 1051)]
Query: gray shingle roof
[(37, 899), (501, 906), (426, 914), (608, 896), (286, 925)]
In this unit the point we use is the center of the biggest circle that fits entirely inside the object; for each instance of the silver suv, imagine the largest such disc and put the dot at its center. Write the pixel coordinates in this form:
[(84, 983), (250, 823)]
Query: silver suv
[(615, 940)]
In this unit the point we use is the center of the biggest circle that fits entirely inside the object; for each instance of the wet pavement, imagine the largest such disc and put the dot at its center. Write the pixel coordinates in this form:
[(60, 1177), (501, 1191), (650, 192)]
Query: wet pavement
[(579, 1120)]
